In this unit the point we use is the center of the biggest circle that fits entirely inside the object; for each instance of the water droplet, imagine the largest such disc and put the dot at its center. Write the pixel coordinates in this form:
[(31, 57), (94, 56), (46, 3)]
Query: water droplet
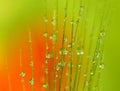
[(63, 51), (56, 75), (45, 34), (22, 74), (85, 75), (31, 63), (102, 33), (65, 39), (94, 62), (46, 71), (70, 45), (46, 61), (101, 66), (79, 66), (31, 81), (97, 54), (81, 8), (57, 68), (45, 85), (80, 52), (53, 22), (91, 73), (72, 22), (47, 47), (62, 63), (53, 37), (48, 55)]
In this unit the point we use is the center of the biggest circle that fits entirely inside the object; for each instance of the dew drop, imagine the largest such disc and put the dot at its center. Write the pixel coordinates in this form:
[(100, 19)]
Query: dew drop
[(47, 47), (79, 66), (102, 33), (53, 37), (80, 52), (70, 45), (31, 63), (94, 62), (31, 81), (53, 22), (65, 39), (97, 54), (57, 68), (101, 66), (72, 22), (22, 74), (45, 34), (46, 71), (62, 63), (81, 8), (48, 55), (84, 74), (63, 51), (46, 61), (56, 75), (91, 73), (45, 85)]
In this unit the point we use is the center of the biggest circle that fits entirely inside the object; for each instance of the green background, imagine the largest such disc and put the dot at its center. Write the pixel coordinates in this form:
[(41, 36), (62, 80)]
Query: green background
[(111, 75)]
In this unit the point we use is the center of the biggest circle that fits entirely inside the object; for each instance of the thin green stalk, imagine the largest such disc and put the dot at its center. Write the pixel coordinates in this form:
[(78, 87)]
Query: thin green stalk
[(46, 85), (71, 48), (54, 38), (89, 54), (22, 74), (82, 46), (63, 37), (75, 36), (32, 82)]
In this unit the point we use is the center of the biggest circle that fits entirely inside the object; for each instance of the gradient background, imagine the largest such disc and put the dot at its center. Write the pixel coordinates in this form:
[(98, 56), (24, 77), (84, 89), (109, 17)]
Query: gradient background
[(16, 15)]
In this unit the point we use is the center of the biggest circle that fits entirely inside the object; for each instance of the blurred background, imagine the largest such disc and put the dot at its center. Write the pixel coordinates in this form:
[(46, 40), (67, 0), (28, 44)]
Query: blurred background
[(15, 15)]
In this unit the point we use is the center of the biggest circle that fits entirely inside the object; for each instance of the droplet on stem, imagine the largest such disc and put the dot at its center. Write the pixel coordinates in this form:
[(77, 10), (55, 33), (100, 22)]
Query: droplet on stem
[(22, 74), (101, 66), (80, 52), (63, 51), (31, 81), (31, 63), (62, 63), (45, 85), (48, 55), (45, 34), (53, 37), (53, 22)]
